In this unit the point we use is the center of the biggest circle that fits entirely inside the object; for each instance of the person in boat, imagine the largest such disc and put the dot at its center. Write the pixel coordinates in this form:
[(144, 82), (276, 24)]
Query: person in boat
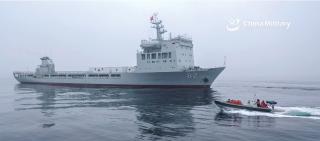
[(263, 104), (258, 103)]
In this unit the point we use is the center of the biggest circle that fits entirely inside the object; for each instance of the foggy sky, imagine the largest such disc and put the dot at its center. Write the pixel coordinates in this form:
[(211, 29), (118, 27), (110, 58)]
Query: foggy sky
[(78, 35)]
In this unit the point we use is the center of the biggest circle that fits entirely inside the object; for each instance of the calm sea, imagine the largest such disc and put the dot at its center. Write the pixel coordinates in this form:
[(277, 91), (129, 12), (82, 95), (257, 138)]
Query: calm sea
[(53, 113)]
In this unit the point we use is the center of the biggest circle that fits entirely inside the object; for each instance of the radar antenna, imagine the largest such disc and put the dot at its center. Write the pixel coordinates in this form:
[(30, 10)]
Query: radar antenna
[(158, 26)]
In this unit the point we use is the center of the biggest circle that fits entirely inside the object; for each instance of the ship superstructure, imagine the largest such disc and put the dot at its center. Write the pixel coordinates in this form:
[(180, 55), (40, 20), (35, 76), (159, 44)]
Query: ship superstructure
[(160, 63)]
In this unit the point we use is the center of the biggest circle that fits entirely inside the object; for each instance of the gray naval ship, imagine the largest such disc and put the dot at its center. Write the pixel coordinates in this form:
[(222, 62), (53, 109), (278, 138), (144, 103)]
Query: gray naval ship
[(160, 63)]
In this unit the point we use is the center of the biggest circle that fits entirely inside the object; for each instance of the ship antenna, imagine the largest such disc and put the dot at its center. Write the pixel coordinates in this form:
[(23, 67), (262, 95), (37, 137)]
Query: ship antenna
[(158, 26)]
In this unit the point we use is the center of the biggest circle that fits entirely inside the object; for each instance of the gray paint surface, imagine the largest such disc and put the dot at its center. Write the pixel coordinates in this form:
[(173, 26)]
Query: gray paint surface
[(179, 78)]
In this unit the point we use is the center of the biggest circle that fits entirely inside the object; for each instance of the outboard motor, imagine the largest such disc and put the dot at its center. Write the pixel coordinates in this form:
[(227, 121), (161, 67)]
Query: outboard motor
[(272, 103)]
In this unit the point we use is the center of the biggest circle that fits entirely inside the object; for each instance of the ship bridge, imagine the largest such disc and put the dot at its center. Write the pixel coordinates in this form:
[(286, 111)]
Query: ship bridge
[(159, 54)]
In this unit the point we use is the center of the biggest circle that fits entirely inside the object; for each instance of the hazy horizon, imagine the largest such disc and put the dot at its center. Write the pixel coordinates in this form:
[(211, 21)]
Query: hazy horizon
[(82, 34)]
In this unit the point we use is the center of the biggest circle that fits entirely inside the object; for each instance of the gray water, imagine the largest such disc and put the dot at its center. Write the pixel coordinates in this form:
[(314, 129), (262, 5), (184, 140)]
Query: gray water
[(54, 113)]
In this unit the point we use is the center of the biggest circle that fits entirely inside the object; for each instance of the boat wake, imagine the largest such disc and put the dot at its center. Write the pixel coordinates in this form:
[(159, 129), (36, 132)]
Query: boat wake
[(290, 88), (283, 112)]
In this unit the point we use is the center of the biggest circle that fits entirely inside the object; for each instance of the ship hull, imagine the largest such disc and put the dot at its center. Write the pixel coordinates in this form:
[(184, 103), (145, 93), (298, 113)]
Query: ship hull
[(185, 79)]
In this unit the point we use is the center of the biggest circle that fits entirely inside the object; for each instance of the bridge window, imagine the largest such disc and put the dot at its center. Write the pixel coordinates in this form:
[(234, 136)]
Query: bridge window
[(164, 55), (148, 56), (143, 56), (169, 54), (159, 55), (153, 56)]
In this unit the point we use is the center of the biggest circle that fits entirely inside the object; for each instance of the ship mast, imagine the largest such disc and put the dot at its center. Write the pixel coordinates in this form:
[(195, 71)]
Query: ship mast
[(158, 26)]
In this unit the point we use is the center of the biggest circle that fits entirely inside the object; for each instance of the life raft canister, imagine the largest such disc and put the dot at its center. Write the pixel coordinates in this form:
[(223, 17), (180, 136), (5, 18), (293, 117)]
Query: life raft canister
[(237, 102)]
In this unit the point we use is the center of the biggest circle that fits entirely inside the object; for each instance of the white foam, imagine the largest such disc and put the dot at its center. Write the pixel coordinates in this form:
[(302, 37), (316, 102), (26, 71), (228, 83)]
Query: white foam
[(283, 112)]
